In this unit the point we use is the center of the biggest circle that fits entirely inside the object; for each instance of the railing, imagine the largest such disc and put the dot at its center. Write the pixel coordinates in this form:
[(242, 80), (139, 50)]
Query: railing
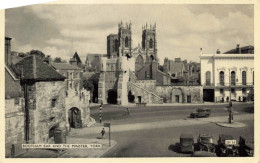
[(208, 84)]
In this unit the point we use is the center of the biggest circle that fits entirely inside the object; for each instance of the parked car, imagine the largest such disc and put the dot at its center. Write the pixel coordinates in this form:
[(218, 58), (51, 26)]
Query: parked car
[(246, 146), (226, 146), (186, 143), (205, 143), (201, 112)]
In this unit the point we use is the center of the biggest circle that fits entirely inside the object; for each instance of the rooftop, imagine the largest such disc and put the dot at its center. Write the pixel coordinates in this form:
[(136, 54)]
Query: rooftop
[(64, 66), (33, 68)]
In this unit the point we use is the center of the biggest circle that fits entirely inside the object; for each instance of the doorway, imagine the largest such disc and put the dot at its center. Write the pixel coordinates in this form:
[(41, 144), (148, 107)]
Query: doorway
[(75, 118)]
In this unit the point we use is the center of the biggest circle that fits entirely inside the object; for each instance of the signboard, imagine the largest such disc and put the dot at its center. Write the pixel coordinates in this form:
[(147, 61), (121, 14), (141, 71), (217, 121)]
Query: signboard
[(230, 142), (106, 124)]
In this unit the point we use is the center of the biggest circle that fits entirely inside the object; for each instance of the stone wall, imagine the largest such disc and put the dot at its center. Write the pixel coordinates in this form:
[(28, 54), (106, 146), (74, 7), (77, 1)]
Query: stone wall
[(50, 109), (14, 123), (78, 100), (167, 93)]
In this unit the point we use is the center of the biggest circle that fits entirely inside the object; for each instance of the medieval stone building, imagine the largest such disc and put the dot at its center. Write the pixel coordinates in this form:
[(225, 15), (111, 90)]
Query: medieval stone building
[(131, 74), (38, 101)]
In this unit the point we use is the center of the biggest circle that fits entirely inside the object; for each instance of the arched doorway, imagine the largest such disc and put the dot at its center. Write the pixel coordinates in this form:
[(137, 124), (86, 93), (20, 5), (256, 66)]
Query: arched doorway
[(75, 118), (176, 95), (131, 97), (112, 96)]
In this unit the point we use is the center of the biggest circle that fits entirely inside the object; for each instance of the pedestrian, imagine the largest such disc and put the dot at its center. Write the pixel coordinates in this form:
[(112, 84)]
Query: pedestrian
[(127, 111), (227, 98), (103, 133)]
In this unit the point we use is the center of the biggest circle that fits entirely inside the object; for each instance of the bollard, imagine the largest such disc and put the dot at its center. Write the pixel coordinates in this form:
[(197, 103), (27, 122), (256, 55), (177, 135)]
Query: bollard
[(12, 151)]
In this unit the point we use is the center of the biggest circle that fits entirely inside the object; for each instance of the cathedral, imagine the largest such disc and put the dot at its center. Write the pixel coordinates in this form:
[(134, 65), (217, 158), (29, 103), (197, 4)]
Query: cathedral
[(131, 75)]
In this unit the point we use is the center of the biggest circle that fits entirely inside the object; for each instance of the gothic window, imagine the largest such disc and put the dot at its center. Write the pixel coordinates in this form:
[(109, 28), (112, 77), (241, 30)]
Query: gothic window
[(233, 78), (244, 77), (126, 42), (151, 58), (208, 78), (151, 43), (116, 45), (221, 78)]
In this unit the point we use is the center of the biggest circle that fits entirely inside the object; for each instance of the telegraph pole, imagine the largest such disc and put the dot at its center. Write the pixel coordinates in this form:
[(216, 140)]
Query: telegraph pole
[(100, 113)]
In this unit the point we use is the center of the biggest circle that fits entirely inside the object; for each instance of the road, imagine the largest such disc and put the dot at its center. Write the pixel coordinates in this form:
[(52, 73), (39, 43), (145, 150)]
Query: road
[(161, 142)]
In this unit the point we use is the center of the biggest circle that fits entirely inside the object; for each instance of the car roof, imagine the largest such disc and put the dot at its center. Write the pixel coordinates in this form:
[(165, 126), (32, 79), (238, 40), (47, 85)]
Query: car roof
[(225, 136), (186, 135), (205, 135)]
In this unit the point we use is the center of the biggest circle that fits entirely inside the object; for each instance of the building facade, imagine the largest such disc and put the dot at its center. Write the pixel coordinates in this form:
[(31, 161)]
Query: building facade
[(227, 76), (131, 74)]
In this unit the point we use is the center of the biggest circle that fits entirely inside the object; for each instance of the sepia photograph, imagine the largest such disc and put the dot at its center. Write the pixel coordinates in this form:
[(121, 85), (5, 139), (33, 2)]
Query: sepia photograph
[(129, 81)]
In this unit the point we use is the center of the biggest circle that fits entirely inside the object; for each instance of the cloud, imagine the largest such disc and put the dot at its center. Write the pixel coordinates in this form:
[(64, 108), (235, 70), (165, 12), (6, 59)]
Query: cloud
[(181, 29)]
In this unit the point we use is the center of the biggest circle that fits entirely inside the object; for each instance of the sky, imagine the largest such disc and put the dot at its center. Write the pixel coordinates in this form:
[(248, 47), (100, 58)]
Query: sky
[(61, 30)]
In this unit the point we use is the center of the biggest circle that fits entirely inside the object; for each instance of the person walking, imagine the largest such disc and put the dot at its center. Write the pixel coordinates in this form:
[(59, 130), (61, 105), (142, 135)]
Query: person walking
[(127, 111), (103, 133)]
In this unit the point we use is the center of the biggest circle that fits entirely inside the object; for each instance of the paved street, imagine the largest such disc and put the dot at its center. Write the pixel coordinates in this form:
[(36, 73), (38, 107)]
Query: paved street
[(154, 131)]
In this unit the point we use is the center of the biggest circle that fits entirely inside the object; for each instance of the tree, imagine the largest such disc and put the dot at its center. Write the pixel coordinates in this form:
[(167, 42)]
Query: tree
[(91, 84), (37, 53), (57, 60)]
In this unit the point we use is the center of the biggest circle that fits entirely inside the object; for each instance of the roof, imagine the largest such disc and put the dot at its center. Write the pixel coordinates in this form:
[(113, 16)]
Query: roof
[(76, 56), (91, 57), (186, 135), (64, 66), (33, 68), (176, 67), (244, 50), (224, 136)]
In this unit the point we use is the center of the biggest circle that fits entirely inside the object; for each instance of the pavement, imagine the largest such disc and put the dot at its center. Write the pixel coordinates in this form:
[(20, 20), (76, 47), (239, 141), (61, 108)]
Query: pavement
[(96, 129), (231, 125)]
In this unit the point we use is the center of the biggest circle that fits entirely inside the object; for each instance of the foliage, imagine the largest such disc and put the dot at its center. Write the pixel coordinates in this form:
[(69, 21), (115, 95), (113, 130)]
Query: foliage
[(57, 60), (91, 84), (37, 53)]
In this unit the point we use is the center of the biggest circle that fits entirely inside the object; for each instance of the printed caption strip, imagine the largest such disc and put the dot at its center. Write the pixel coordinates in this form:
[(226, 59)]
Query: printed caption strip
[(55, 146)]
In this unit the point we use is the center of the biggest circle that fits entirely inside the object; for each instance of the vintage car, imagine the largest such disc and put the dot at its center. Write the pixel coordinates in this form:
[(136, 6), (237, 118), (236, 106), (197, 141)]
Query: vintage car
[(246, 146), (201, 112), (186, 143), (205, 143), (226, 146)]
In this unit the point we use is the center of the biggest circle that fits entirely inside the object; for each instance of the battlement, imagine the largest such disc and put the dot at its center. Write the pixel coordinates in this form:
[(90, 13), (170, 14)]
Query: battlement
[(127, 26), (146, 28)]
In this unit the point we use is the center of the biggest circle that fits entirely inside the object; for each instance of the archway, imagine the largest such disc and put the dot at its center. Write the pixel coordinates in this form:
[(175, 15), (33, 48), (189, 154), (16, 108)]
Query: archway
[(176, 95), (112, 96), (131, 97), (75, 118)]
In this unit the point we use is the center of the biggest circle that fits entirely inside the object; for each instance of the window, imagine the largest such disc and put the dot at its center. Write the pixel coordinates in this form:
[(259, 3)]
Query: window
[(126, 42), (244, 77), (151, 43), (232, 90), (208, 78), (221, 91), (233, 78), (243, 91), (221, 78), (116, 45), (53, 102)]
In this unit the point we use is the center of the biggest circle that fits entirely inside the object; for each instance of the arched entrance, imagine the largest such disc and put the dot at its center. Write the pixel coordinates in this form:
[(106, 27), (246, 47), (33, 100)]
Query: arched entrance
[(176, 95), (112, 96), (131, 97), (75, 118)]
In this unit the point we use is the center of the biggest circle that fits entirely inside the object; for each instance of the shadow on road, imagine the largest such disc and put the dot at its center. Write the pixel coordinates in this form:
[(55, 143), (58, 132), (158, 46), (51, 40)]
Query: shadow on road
[(249, 109), (174, 147)]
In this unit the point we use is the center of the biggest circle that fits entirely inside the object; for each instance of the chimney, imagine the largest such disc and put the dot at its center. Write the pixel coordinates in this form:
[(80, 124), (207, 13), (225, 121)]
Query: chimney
[(218, 51), (238, 49), (177, 59), (8, 58), (48, 59)]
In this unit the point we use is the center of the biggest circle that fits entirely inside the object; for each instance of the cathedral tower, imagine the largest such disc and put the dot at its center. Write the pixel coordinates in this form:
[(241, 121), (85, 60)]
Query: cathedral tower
[(149, 42), (125, 39)]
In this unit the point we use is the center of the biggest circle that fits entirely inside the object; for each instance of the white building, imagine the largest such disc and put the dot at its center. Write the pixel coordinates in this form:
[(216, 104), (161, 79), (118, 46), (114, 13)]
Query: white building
[(225, 75)]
